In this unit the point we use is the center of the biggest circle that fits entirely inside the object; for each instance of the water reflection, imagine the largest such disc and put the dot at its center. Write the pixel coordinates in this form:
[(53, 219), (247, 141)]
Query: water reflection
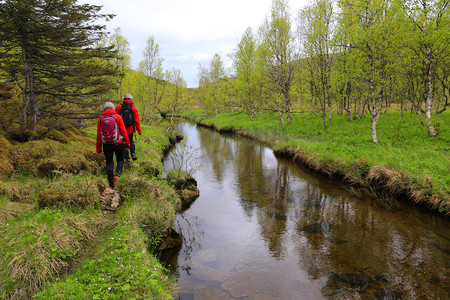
[(263, 228)]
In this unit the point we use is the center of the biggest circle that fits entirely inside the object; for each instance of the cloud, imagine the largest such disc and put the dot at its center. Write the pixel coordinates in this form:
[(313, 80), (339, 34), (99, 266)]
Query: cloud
[(188, 32)]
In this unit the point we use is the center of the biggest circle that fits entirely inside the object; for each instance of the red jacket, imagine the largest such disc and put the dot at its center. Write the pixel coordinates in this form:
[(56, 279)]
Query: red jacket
[(122, 130), (137, 123)]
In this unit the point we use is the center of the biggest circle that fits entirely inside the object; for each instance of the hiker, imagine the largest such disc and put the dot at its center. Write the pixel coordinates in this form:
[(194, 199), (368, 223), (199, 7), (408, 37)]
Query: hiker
[(130, 117), (112, 134)]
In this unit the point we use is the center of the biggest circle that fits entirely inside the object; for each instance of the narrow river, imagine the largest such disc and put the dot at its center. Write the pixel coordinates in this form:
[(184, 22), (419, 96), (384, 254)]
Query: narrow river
[(263, 228)]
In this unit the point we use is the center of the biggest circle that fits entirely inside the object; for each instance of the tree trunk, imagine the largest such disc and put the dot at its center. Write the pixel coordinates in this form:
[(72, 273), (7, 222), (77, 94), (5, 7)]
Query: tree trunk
[(375, 112), (324, 121), (429, 92), (29, 105), (330, 112), (280, 114), (215, 102), (288, 109)]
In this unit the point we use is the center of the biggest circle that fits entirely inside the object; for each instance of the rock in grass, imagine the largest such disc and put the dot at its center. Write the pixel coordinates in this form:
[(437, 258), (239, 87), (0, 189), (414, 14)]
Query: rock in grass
[(110, 200)]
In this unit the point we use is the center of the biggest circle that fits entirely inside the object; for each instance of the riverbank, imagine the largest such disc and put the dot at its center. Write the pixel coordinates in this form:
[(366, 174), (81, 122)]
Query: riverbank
[(405, 164), (55, 239)]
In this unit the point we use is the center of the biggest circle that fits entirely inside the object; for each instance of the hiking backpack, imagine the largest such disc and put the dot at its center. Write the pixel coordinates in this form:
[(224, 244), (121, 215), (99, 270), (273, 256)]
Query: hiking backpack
[(109, 129), (127, 114)]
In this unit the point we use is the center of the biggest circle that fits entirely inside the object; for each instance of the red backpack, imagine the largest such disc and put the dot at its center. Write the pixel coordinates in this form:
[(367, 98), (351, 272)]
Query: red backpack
[(109, 129)]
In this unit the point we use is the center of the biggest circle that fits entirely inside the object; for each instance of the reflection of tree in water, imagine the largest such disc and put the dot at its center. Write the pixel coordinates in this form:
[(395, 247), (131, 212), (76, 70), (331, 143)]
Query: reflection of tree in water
[(191, 232), (250, 176), (263, 190), (273, 218), (359, 250), (218, 150)]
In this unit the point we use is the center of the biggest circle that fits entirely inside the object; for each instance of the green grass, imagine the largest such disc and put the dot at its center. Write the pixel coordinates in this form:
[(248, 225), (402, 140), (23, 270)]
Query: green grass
[(121, 269), (55, 243), (403, 146)]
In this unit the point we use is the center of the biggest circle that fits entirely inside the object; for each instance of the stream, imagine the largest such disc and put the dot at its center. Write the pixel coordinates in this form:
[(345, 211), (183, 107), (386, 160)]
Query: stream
[(264, 228)]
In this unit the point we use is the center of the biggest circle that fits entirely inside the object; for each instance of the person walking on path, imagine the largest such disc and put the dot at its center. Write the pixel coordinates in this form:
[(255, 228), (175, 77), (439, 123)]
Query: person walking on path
[(113, 136), (130, 117)]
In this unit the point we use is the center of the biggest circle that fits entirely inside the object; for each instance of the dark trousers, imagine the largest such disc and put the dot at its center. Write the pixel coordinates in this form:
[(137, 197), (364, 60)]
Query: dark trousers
[(110, 150), (126, 155)]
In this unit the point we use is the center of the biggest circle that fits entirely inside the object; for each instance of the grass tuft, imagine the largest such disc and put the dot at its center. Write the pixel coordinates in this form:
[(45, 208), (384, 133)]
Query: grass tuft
[(38, 246)]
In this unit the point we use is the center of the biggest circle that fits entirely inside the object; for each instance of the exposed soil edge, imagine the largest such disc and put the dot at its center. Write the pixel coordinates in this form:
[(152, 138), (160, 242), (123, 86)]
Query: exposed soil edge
[(376, 177)]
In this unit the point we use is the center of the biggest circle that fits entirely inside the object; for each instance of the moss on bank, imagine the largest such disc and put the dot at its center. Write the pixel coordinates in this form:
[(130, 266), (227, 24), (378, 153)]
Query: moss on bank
[(405, 163), (55, 241)]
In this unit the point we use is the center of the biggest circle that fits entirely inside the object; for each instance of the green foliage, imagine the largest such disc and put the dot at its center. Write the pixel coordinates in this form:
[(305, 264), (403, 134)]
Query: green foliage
[(121, 269), (56, 68), (245, 65)]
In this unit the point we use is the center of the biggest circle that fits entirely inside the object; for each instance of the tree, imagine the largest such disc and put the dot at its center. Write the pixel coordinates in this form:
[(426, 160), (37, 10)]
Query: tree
[(215, 74), (177, 96), (316, 28), (372, 29), (263, 92), (123, 60), (47, 49), (429, 41), (203, 85), (244, 64), (279, 42), (151, 66)]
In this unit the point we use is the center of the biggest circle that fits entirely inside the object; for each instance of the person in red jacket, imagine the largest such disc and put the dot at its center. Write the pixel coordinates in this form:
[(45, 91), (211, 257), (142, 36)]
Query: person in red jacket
[(117, 146), (131, 118)]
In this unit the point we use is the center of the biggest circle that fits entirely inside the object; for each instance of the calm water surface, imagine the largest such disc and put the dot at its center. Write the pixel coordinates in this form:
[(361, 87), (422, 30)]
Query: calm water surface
[(263, 228)]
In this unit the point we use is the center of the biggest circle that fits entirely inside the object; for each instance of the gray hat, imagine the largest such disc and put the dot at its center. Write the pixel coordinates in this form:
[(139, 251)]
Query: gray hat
[(108, 105), (127, 96)]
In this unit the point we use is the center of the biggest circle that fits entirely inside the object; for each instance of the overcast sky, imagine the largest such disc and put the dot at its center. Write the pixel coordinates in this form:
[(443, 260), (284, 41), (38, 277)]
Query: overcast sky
[(188, 32)]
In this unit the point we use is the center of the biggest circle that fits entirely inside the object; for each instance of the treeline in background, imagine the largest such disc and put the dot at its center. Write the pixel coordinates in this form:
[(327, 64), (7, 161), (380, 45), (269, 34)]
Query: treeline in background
[(359, 58)]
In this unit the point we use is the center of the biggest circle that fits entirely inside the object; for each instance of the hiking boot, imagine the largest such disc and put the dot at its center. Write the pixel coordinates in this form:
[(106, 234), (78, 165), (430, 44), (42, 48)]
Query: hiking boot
[(111, 187), (127, 162), (133, 156)]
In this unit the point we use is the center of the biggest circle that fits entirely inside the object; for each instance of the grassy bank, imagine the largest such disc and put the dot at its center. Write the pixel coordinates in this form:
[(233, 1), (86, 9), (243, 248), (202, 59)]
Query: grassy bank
[(406, 162), (55, 240)]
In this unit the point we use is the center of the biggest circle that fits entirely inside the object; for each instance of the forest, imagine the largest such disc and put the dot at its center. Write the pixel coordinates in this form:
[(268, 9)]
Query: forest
[(359, 87), (361, 59)]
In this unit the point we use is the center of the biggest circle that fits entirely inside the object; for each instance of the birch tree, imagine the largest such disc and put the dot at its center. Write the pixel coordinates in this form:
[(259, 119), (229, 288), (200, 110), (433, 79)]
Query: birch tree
[(176, 96), (203, 85), (373, 32), (429, 39), (276, 33), (244, 64), (123, 60), (151, 66), (316, 27), (215, 74)]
